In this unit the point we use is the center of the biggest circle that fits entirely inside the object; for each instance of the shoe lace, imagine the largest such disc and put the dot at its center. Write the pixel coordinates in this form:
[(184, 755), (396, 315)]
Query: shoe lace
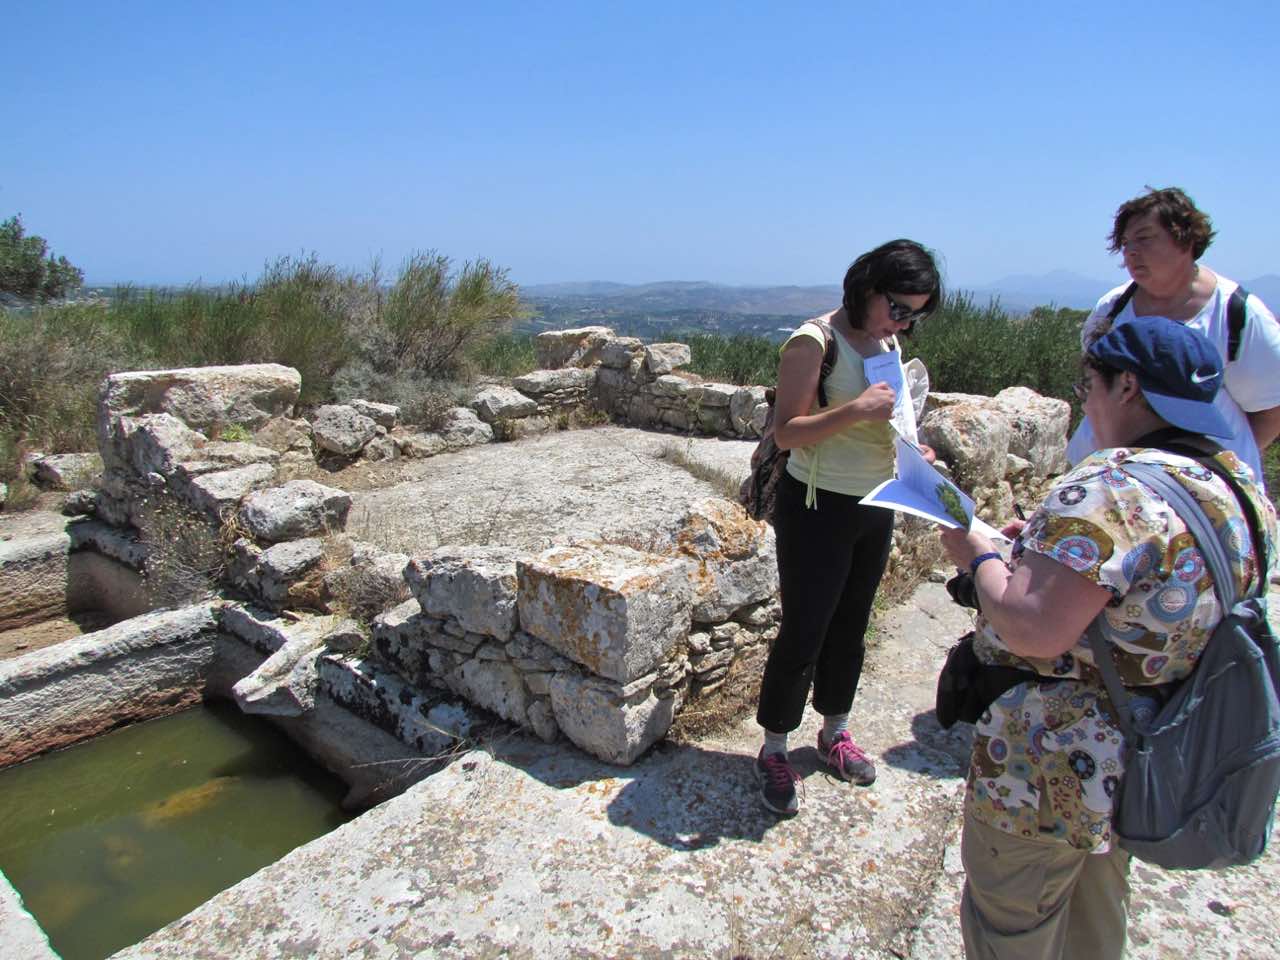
[(779, 771), (844, 751)]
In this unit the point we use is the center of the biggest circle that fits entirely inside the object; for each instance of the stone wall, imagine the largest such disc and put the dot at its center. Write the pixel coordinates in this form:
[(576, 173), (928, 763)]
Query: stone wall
[(600, 642)]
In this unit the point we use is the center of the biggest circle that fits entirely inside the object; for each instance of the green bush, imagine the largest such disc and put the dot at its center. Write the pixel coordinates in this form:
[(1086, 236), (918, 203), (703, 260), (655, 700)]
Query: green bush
[(740, 359), (504, 355), (28, 270)]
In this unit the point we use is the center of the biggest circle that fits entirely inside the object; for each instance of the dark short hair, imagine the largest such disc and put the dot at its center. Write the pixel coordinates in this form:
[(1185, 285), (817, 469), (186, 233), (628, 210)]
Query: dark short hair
[(899, 266), (1189, 226)]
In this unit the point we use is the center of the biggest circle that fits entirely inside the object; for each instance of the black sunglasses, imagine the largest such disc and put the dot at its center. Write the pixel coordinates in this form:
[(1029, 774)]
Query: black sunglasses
[(901, 313)]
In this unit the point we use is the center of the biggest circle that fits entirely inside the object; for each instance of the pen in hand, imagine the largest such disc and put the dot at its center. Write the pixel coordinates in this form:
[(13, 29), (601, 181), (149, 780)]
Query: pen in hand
[(1017, 512)]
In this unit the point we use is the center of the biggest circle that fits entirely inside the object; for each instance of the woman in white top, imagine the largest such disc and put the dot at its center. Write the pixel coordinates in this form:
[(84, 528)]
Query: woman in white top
[(832, 550), (1161, 236)]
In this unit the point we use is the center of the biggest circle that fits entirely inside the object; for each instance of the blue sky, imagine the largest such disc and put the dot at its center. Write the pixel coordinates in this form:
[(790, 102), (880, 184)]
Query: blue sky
[(745, 143)]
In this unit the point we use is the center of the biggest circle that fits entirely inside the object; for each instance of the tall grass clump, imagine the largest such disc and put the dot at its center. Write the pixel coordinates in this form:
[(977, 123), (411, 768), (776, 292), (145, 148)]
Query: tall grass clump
[(740, 359), (504, 355)]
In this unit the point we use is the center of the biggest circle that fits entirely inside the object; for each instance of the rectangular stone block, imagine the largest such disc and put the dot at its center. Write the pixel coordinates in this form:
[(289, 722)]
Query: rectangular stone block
[(615, 610)]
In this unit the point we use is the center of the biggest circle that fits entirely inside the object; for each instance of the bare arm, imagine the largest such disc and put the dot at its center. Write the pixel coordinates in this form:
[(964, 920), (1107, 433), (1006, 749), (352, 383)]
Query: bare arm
[(1038, 610), (1266, 426), (798, 372)]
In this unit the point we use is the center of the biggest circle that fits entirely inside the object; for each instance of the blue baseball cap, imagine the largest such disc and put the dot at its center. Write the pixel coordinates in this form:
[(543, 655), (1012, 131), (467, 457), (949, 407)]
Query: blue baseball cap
[(1178, 369)]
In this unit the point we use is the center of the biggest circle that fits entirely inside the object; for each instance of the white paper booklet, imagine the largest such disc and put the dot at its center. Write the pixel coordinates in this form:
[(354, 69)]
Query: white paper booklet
[(922, 491), (887, 368)]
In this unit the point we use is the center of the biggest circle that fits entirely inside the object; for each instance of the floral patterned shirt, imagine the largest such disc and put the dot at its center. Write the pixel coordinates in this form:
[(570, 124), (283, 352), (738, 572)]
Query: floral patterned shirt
[(1048, 756)]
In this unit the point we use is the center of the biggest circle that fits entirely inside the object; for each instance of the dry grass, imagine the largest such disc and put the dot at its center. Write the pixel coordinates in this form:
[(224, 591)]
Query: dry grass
[(681, 455), (719, 710)]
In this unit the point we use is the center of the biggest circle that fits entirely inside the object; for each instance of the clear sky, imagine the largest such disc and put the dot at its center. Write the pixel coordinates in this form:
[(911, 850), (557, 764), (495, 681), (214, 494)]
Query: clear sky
[(748, 143)]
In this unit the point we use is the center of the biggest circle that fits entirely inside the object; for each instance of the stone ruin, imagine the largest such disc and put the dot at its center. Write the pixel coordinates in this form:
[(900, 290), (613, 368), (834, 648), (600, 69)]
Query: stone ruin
[(602, 643)]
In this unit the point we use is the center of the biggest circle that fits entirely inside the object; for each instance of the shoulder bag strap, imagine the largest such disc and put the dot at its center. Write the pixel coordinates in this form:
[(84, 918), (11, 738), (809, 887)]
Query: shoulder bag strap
[(828, 359), (1191, 513), (1122, 301), (1237, 305)]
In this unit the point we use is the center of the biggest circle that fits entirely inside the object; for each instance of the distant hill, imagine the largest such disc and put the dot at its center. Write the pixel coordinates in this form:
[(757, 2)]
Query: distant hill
[(1021, 292), (692, 296)]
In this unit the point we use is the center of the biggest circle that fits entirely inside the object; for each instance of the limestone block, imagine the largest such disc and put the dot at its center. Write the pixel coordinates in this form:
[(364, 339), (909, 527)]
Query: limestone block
[(285, 684), (421, 445), (660, 358), (668, 386), (1038, 428), (581, 347), (462, 428), (137, 669), (605, 724), (492, 684), (540, 383), (216, 492), (384, 414), (710, 662), (496, 402), (718, 395), (970, 439), (33, 578), (524, 427), (339, 429), (300, 508), (734, 558), (68, 471), (370, 581), (237, 453), (381, 448), (542, 718), (282, 435), (615, 610), (742, 411), (621, 353), (109, 541), (154, 443), (384, 700), (204, 398), (474, 585)]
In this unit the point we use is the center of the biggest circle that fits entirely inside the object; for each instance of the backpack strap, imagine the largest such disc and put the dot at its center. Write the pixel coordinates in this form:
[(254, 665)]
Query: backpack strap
[(1236, 314), (828, 359), (1122, 301), (1192, 514)]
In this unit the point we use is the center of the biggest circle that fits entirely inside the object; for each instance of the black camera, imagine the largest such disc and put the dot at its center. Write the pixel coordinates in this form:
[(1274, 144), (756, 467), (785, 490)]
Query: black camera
[(964, 591)]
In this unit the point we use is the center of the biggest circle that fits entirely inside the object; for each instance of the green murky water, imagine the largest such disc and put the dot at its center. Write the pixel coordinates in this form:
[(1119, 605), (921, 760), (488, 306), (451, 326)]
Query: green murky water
[(112, 839)]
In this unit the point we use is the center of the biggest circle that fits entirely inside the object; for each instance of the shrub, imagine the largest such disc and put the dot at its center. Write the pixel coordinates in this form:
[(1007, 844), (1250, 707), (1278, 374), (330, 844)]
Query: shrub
[(740, 359), (28, 270), (504, 355)]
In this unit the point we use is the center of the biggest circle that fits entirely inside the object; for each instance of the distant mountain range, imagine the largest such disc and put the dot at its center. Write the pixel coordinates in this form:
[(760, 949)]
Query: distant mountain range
[(1017, 293)]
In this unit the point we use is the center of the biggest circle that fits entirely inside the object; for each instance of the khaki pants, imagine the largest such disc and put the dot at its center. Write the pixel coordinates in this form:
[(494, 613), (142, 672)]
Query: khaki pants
[(1040, 899)]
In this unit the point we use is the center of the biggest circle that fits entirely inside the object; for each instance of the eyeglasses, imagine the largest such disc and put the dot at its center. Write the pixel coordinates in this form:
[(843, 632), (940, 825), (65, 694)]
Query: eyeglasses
[(901, 313)]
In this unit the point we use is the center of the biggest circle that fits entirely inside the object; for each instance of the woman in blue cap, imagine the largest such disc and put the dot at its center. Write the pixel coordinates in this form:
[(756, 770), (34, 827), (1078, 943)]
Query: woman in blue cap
[(1043, 878)]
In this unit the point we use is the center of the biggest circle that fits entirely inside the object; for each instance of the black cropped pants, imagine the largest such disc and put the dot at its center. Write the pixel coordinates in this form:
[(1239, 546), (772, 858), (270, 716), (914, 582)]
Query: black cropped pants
[(830, 562)]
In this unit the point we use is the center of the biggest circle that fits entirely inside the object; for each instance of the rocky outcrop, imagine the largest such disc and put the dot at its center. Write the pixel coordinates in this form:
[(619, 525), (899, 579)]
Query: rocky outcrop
[(203, 398)]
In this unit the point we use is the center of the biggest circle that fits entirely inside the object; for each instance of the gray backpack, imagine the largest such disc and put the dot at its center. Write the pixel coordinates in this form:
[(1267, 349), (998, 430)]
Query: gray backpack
[(1201, 775)]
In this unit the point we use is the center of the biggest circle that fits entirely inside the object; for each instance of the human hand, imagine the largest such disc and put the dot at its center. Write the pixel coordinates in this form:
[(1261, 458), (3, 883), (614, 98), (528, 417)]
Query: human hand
[(1013, 528), (876, 402), (928, 452), (962, 546)]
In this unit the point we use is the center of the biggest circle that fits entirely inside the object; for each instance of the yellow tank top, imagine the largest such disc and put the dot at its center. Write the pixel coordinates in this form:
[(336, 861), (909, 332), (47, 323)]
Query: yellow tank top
[(857, 458)]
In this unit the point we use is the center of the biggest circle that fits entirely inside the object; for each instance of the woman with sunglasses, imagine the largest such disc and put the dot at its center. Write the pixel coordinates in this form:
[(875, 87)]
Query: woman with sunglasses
[(832, 551)]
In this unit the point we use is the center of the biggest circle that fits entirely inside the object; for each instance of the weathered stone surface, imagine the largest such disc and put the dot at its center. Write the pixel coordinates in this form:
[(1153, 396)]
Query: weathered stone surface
[(492, 684), (290, 560), (615, 610), (742, 411), (524, 427), (604, 723), (668, 386), (662, 358), (262, 630), (581, 347), (219, 491), (339, 429), (33, 575), (283, 434), (68, 471), (149, 666), (542, 383), (1038, 428), (109, 541), (300, 508), (712, 394), (372, 580), (384, 700), (970, 439), (623, 353), (496, 402), (205, 398), (462, 428), (384, 414), (23, 938), (285, 684), (221, 454), (474, 585), (734, 558), (381, 448), (419, 446), (153, 443)]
